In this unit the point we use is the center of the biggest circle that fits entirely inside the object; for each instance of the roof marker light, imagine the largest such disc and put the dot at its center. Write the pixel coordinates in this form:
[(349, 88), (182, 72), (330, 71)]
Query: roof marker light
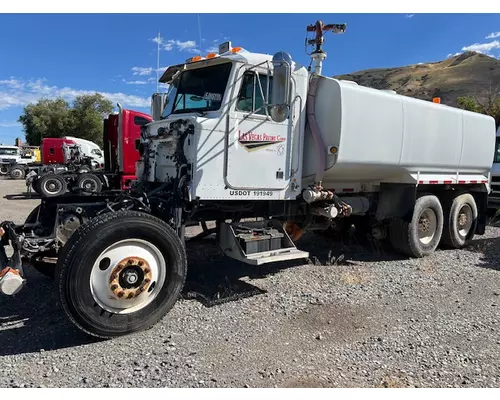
[(211, 55)]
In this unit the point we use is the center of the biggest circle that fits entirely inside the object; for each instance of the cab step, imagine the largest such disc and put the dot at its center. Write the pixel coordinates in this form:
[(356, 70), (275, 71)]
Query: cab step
[(258, 242)]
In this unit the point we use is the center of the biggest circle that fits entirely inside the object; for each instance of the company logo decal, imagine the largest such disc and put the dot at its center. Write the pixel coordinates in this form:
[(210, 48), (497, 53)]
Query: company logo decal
[(256, 141)]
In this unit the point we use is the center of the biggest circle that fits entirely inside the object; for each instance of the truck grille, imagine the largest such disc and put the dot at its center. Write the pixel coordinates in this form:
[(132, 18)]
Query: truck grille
[(495, 186)]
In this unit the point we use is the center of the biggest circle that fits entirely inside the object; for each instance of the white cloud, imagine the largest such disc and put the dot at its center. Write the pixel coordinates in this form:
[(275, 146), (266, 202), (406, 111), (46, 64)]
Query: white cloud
[(135, 82), (484, 48), (493, 35), (453, 55), (142, 71), (9, 124), (409, 15), (213, 49), (12, 83), (189, 46), (19, 93)]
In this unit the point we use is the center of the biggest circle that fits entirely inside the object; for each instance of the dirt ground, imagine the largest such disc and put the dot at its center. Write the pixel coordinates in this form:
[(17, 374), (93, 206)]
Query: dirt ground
[(355, 315)]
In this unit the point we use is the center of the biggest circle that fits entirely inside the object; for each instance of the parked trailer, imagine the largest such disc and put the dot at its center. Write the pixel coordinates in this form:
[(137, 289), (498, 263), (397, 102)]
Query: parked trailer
[(251, 135), (58, 155)]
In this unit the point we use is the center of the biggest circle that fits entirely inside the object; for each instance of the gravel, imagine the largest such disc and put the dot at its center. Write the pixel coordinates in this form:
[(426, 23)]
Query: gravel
[(353, 316)]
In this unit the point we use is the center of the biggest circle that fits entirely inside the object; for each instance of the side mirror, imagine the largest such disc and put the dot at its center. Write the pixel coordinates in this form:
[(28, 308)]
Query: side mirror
[(158, 102), (282, 77)]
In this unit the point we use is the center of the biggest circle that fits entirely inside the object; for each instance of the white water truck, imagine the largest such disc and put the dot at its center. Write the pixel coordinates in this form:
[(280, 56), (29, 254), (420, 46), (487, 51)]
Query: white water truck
[(242, 136)]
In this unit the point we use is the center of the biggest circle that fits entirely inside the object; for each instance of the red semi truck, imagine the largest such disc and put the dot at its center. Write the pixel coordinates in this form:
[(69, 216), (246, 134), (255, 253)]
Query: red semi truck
[(121, 134)]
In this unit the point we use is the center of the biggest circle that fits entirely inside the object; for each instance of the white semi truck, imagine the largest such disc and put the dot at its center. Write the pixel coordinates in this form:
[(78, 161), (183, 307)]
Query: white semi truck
[(494, 197), (242, 136)]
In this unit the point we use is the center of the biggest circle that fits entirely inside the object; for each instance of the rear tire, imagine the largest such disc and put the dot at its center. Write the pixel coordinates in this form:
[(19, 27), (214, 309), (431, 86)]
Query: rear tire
[(420, 236), (95, 277), (51, 185), (460, 221), (4, 169), (90, 183)]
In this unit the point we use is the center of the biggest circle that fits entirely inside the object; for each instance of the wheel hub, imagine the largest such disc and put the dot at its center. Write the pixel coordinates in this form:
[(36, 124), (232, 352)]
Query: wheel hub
[(131, 277), (462, 219), (424, 225)]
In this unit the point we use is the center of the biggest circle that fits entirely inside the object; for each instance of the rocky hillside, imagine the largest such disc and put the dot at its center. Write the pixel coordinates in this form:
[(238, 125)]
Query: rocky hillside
[(465, 74)]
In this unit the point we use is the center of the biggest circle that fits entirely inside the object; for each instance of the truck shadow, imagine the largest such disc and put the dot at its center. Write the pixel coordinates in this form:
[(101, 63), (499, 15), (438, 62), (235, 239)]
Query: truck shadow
[(23, 196), (33, 320)]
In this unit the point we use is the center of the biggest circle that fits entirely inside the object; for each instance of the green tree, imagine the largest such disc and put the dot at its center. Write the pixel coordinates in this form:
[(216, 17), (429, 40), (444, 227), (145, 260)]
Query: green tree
[(489, 104), (47, 118), (55, 118), (88, 113)]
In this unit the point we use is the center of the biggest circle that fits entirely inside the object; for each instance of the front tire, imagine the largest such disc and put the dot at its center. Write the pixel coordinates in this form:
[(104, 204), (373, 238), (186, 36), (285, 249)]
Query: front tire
[(17, 172), (121, 273), (420, 236)]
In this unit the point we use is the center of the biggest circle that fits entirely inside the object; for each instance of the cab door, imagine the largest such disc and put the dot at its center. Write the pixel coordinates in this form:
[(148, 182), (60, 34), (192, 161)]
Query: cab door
[(258, 149)]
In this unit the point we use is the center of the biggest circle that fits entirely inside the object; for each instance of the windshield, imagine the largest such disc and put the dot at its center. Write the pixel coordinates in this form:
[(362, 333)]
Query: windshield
[(97, 152), (198, 90), (9, 152), (496, 159)]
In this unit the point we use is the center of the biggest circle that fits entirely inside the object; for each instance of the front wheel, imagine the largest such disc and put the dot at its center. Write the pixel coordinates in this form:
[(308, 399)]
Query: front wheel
[(17, 172), (125, 281)]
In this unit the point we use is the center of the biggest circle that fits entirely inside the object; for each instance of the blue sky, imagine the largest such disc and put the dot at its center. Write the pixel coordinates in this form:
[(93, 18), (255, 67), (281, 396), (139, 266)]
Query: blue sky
[(50, 55)]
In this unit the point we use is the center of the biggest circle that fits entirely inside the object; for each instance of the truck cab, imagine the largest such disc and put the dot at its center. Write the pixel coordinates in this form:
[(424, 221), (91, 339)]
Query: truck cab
[(121, 134), (8, 155), (494, 197), (89, 149), (216, 121)]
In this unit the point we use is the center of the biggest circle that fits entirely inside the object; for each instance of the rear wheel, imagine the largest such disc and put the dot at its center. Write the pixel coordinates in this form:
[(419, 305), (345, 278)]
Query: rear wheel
[(17, 172), (90, 183), (127, 280), (51, 185), (460, 221), (4, 169), (420, 236)]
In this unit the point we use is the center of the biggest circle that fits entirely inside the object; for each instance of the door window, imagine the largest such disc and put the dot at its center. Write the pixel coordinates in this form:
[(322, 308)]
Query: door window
[(255, 89)]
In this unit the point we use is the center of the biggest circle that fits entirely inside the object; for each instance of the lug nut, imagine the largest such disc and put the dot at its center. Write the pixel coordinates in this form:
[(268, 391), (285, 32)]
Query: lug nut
[(130, 295), (130, 261), (140, 263), (114, 287), (121, 294), (147, 270)]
